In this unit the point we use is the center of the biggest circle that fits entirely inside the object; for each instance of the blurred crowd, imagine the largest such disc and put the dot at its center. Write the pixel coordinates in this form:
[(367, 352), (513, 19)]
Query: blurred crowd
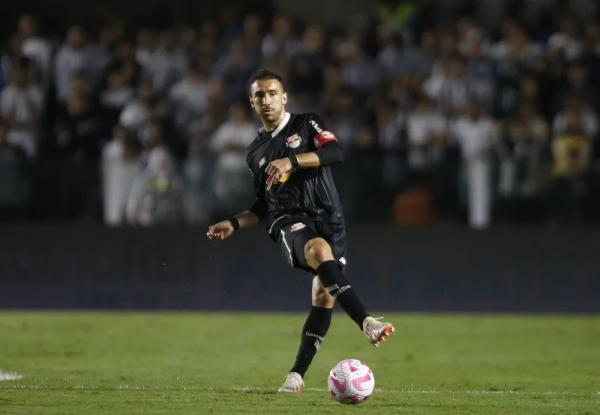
[(440, 119)]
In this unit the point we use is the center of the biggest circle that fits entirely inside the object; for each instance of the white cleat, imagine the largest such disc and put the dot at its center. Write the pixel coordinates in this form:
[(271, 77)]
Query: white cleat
[(375, 330), (293, 383)]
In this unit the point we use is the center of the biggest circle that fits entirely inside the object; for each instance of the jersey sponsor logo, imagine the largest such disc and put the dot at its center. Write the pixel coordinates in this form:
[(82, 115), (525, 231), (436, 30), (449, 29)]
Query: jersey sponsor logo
[(297, 226), (323, 138), (261, 162), (284, 177), (293, 141)]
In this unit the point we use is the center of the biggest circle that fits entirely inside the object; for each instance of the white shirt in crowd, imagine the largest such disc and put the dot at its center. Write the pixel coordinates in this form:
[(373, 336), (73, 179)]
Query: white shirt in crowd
[(38, 50), (422, 127), (24, 106), (118, 174), (68, 61), (476, 138)]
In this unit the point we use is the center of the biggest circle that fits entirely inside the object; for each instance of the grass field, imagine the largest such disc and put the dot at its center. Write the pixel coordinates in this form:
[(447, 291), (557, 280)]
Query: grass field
[(230, 363)]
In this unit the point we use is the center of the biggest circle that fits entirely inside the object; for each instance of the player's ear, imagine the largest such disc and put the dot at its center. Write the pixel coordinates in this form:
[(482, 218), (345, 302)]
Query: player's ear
[(284, 98), (251, 102)]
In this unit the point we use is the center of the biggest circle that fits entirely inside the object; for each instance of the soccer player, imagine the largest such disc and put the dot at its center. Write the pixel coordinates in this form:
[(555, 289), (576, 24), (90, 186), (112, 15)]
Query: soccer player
[(297, 197)]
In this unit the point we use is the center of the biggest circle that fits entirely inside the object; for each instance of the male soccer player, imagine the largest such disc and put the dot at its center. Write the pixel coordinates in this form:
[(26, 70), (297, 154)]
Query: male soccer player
[(295, 193)]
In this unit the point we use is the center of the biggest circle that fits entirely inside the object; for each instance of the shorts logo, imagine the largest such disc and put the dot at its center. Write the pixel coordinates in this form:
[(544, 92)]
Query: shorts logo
[(297, 226), (261, 162), (293, 141)]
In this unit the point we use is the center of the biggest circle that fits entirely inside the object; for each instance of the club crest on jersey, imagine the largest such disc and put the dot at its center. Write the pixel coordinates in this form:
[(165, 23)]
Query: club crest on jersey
[(293, 141)]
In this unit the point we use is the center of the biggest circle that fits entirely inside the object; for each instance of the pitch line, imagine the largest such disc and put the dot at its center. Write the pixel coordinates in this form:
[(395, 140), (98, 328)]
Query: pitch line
[(6, 376), (435, 392), (259, 389)]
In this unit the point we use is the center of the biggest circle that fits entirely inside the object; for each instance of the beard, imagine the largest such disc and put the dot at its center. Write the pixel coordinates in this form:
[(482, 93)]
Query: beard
[(271, 116)]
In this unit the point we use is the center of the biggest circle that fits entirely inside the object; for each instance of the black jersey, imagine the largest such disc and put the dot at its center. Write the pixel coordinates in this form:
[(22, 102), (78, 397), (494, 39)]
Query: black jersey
[(305, 192)]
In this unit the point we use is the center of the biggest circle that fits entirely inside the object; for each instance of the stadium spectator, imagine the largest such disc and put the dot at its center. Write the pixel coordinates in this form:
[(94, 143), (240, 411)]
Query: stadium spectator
[(15, 176), (137, 114), (234, 67), (70, 59), (232, 182), (99, 55), (576, 115), (476, 133), (448, 87), (521, 150), (79, 132), (280, 45), (189, 100), (391, 128), (120, 165), (116, 95), (145, 45), (21, 109), (566, 42), (358, 71), (197, 176), (572, 144), (426, 130), (252, 32), (306, 71), (165, 65), (480, 67), (157, 195), (35, 48)]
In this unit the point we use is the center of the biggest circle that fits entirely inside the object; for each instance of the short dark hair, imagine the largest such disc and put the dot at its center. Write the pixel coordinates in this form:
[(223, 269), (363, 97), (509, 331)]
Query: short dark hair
[(262, 74)]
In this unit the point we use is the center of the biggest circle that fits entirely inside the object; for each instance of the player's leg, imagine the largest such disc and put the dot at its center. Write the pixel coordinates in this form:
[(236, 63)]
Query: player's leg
[(315, 328), (292, 239), (319, 256), (314, 331)]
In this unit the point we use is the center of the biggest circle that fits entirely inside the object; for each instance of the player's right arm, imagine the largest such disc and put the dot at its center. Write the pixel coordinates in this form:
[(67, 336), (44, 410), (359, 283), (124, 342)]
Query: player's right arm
[(225, 228)]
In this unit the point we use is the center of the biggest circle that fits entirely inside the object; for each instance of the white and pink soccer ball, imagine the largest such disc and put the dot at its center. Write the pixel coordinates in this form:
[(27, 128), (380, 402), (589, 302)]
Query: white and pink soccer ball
[(351, 381)]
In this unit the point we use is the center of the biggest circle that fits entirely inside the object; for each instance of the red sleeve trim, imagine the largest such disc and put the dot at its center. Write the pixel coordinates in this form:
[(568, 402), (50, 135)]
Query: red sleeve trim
[(323, 137)]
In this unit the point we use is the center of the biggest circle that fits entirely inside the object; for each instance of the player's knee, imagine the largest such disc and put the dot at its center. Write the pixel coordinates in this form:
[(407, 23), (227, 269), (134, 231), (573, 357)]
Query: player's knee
[(320, 296), (316, 251), (323, 299)]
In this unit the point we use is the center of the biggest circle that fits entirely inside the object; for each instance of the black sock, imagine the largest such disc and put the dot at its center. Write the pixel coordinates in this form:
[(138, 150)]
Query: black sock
[(314, 330), (336, 284)]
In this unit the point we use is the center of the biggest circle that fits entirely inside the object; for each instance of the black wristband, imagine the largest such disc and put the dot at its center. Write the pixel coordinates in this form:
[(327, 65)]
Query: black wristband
[(235, 223), (294, 160)]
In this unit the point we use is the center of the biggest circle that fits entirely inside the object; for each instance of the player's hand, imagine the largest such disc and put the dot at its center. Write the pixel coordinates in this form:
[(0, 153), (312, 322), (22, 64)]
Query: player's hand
[(221, 230), (276, 170)]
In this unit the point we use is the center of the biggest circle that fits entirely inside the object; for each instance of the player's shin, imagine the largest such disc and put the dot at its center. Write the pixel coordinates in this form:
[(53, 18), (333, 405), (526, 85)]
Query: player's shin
[(337, 285), (314, 330)]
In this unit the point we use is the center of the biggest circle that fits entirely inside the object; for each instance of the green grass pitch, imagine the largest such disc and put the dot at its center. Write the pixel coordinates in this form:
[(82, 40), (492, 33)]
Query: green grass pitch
[(231, 363)]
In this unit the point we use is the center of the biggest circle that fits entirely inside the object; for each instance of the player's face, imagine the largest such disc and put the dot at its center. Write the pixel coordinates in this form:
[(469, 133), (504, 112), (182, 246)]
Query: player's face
[(268, 100)]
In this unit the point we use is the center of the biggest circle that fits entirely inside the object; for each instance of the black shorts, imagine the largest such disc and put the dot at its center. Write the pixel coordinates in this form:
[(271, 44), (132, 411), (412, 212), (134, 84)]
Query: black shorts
[(295, 234)]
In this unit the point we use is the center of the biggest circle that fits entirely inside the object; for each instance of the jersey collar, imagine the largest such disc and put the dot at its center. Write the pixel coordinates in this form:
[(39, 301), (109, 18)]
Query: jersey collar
[(280, 127)]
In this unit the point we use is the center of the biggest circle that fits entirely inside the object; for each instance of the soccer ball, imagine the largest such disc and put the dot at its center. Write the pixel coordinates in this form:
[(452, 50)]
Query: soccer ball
[(351, 381)]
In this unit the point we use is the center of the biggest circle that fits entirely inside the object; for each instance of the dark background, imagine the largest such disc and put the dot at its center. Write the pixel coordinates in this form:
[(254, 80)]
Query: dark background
[(439, 267)]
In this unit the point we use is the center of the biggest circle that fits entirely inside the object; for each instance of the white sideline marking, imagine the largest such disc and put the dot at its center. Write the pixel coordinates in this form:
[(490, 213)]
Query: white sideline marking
[(4, 376), (16, 376), (435, 392)]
